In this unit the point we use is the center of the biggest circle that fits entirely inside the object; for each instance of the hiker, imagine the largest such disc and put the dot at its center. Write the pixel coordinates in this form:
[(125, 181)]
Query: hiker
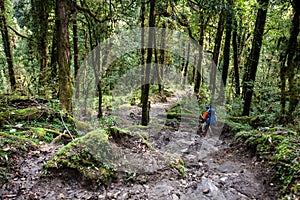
[(208, 119), (203, 120)]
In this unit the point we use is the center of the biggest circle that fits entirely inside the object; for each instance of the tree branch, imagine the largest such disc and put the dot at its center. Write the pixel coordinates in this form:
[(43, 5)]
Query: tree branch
[(18, 33), (93, 15)]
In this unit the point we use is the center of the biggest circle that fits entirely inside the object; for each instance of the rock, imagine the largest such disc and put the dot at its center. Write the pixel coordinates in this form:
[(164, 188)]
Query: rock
[(124, 196), (18, 125), (175, 197), (101, 196), (223, 179), (205, 191)]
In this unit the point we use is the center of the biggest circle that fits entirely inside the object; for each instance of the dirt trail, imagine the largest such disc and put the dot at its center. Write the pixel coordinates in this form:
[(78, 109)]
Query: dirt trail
[(213, 170)]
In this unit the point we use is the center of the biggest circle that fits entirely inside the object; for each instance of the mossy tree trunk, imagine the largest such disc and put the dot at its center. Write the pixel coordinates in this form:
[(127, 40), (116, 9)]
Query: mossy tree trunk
[(291, 61), (76, 54), (252, 61), (40, 14), (64, 54), (54, 59), (7, 45), (145, 91)]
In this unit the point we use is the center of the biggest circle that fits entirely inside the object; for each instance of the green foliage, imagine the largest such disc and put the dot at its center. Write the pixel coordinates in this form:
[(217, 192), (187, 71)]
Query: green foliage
[(178, 164), (280, 146)]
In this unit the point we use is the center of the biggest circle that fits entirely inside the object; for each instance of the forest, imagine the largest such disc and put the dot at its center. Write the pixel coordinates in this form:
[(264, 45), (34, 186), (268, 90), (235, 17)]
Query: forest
[(103, 99)]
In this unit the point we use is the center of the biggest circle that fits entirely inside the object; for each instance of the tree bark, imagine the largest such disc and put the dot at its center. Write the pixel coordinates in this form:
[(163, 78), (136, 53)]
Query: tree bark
[(54, 58), (235, 59), (291, 63), (252, 61), (76, 53), (216, 52), (145, 104), (185, 71), (162, 55), (64, 55), (226, 52), (199, 63), (40, 12), (7, 45), (143, 52)]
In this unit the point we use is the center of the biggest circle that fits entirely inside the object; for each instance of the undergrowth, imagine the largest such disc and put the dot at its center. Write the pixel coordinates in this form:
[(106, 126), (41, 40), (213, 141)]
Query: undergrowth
[(280, 146)]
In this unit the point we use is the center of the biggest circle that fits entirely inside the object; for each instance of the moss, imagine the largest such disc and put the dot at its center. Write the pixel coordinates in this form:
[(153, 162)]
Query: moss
[(178, 164), (87, 155), (41, 133), (82, 126), (29, 113)]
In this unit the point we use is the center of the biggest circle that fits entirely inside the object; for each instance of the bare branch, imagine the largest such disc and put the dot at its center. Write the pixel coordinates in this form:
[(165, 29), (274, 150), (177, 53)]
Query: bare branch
[(18, 33)]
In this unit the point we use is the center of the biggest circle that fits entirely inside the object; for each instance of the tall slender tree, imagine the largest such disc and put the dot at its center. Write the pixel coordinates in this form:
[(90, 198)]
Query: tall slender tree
[(235, 59), (199, 63), (226, 53), (145, 103), (216, 52), (252, 60), (7, 45)]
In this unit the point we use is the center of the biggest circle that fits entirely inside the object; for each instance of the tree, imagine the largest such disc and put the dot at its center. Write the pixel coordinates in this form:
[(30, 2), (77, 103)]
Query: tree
[(218, 41), (145, 91), (199, 63), (7, 45), (226, 53), (40, 13), (292, 61), (253, 58), (235, 59), (64, 54)]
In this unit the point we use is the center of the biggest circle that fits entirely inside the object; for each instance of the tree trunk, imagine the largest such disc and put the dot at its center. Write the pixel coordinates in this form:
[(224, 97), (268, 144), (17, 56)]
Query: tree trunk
[(216, 52), (7, 45), (199, 64), (64, 55), (252, 61), (76, 53), (145, 104), (54, 58), (226, 53), (235, 59), (185, 71), (156, 74), (143, 52), (291, 63), (162, 55), (40, 14)]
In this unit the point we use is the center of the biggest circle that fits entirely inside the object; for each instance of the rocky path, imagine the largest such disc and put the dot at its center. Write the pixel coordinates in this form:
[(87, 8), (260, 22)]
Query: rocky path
[(213, 170)]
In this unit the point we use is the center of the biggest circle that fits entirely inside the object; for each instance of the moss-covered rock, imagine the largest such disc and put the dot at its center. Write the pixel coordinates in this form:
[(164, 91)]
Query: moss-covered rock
[(86, 155), (103, 156)]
